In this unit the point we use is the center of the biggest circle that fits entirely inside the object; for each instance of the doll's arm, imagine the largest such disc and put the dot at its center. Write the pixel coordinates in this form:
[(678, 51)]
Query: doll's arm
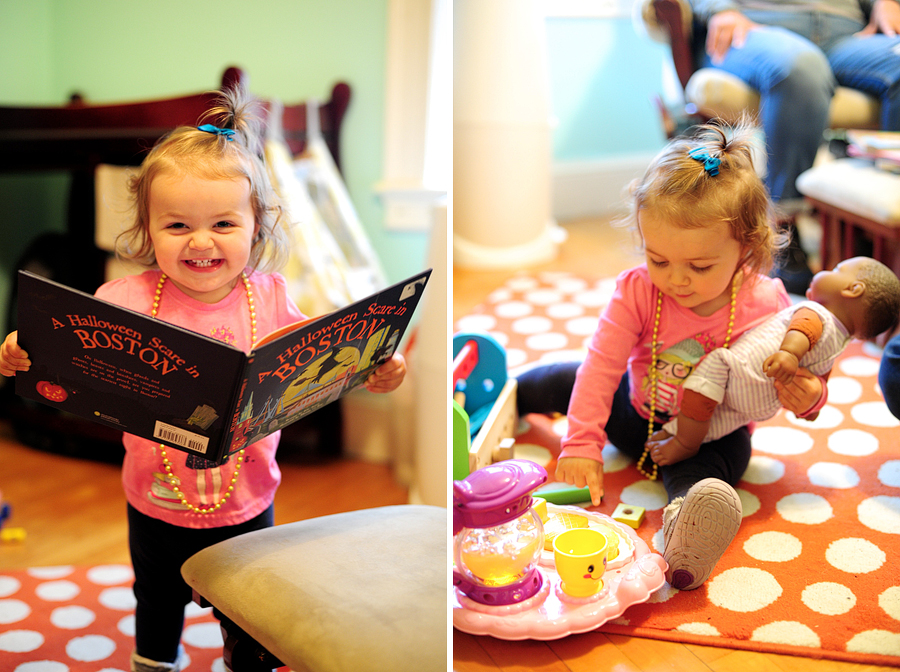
[(802, 335)]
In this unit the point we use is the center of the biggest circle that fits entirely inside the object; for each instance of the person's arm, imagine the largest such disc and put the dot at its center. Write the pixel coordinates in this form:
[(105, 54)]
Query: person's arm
[(802, 335)]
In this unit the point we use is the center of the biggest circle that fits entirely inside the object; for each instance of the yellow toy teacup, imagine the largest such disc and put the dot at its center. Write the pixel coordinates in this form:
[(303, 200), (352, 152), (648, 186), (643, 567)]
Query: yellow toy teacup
[(580, 557)]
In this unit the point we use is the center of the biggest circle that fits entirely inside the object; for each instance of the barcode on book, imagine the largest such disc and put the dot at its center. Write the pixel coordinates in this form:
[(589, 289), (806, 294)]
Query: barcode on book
[(180, 437)]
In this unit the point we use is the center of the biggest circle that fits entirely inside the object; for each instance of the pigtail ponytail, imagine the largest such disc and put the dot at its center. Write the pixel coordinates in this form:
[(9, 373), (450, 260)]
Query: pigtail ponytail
[(238, 111)]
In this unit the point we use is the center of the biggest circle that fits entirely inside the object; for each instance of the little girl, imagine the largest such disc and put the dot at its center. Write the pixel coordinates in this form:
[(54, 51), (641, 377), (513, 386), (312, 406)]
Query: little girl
[(702, 215), (208, 219)]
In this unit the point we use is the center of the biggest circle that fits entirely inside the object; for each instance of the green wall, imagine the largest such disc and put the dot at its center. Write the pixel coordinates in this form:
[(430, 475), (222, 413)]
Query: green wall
[(119, 50)]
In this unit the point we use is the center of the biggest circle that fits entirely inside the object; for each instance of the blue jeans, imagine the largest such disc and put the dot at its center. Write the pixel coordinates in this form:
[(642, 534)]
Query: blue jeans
[(795, 62), (889, 375), (548, 388), (158, 550)]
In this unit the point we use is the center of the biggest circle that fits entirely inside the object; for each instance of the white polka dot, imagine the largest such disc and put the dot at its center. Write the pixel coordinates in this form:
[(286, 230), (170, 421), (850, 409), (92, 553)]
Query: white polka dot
[(546, 342), (749, 503), (833, 475), (781, 440), (786, 632), (13, 611), (51, 572), (569, 284), (852, 442), (72, 618), (880, 513), (763, 470), (57, 591), (543, 297), (582, 326), (515, 357), (889, 601), (9, 586), (843, 390), (699, 629), (44, 666), (859, 366), (194, 610), (513, 309), (875, 641), (829, 418), (118, 599), (614, 460), (476, 323), (591, 299), (664, 594), (90, 648), (889, 473), (773, 546), (126, 625), (804, 508), (560, 426), (562, 355), (532, 325), (649, 494), (566, 311), (498, 295), (855, 556), (501, 338), (218, 665), (830, 599), (110, 575), (20, 641), (522, 283), (533, 453), (203, 636), (874, 414), (743, 589)]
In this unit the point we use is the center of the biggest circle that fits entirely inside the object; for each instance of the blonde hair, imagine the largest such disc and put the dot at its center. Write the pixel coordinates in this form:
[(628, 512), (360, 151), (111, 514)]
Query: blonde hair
[(680, 189), (216, 157)]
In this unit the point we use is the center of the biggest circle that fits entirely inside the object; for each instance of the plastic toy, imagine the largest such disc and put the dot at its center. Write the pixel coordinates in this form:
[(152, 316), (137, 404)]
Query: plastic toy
[(484, 399), (9, 533), (499, 538), (632, 574), (632, 516)]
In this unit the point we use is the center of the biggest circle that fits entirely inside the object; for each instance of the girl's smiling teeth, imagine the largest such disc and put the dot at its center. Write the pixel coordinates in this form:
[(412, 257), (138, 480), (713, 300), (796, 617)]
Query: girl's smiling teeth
[(203, 263)]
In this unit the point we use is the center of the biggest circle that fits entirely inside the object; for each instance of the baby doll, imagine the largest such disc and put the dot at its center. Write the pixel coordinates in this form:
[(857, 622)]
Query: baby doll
[(860, 298)]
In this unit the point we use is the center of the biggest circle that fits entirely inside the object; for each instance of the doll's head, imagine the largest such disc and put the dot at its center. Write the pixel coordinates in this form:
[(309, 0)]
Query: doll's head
[(225, 146), (862, 292)]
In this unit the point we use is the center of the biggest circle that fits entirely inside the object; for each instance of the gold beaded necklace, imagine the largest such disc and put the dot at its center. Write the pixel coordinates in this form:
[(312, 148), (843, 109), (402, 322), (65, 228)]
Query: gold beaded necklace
[(654, 375), (240, 456)]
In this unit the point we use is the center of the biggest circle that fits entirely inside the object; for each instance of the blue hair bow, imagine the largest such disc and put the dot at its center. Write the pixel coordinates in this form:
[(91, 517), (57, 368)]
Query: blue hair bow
[(215, 130), (710, 163)]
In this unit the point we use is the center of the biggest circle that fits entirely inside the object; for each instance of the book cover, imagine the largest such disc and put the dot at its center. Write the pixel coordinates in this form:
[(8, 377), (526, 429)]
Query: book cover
[(164, 383)]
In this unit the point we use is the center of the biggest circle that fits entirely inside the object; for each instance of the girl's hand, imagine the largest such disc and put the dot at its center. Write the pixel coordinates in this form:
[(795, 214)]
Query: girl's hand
[(884, 18), (580, 472), (388, 376), (801, 394), (12, 357)]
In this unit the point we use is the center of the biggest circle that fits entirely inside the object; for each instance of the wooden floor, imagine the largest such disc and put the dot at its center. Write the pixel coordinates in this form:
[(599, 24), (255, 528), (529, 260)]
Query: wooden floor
[(73, 510), (594, 247)]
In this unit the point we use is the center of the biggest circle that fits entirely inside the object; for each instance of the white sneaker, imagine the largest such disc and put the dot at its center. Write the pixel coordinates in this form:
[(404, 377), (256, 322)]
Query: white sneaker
[(697, 529), (141, 664)]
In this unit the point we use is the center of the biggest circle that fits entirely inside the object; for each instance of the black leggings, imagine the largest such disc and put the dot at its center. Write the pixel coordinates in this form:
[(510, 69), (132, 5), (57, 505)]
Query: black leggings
[(158, 550), (548, 389)]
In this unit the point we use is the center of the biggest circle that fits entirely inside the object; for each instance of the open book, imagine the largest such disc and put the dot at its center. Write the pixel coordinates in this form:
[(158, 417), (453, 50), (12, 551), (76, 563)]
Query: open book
[(161, 382)]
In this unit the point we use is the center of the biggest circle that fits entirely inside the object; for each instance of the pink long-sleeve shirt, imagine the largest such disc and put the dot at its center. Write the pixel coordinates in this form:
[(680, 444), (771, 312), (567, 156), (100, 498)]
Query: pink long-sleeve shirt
[(622, 342), (144, 478)]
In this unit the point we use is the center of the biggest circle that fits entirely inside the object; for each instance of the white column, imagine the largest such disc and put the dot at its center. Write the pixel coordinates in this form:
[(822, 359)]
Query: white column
[(501, 136)]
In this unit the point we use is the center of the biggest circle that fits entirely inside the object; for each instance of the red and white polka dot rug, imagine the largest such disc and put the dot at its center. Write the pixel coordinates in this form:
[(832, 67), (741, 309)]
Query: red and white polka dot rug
[(71, 619), (814, 569)]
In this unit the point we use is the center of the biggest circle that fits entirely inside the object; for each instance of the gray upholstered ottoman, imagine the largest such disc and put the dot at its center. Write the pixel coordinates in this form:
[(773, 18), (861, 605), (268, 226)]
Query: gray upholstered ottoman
[(364, 590), (852, 197)]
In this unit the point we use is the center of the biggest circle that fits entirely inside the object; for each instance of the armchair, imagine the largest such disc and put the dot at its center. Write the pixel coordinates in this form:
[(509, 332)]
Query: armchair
[(716, 93)]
